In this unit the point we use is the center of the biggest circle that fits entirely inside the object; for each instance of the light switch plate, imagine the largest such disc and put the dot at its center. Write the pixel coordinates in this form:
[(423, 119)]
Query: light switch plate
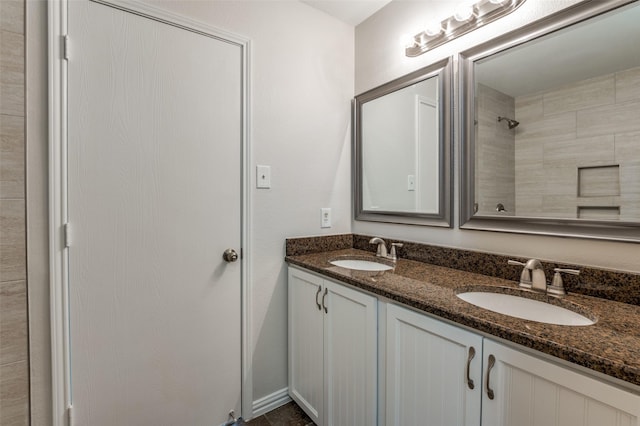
[(263, 176), (411, 183)]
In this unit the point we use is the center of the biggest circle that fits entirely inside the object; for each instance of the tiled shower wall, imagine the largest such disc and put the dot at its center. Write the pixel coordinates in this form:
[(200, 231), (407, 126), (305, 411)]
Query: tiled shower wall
[(14, 349), (578, 149), (495, 152)]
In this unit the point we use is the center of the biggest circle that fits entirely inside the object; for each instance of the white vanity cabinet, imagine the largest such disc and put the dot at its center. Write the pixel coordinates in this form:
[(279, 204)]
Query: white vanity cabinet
[(428, 368), (332, 350), (521, 389), (433, 371), (430, 372)]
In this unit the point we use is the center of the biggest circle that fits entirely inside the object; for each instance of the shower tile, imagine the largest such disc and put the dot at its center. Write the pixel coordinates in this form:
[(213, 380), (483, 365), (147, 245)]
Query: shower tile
[(11, 157), (628, 85), (584, 94), (12, 243), (529, 107), (12, 15), (547, 128), (14, 394), (619, 118), (560, 205), (627, 146), (581, 151), (11, 73), (13, 322)]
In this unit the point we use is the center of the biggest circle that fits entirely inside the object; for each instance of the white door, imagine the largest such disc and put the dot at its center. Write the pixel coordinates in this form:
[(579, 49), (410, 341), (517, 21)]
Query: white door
[(154, 199), (433, 371)]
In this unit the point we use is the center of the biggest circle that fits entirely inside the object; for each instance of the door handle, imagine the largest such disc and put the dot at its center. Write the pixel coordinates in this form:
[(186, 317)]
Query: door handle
[(491, 363), (326, 290), (230, 255), (318, 294), (472, 354)]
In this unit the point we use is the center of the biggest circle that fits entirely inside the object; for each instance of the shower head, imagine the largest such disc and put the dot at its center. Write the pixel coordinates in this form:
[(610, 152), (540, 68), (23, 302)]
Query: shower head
[(512, 123)]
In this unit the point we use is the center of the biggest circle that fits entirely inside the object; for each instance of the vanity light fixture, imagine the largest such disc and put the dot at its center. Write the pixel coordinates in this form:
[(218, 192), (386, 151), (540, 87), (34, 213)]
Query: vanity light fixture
[(467, 17)]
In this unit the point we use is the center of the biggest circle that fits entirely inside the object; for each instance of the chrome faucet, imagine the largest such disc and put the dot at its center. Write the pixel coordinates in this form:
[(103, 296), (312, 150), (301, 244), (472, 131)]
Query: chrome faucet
[(382, 249), (382, 246), (538, 277), (532, 276)]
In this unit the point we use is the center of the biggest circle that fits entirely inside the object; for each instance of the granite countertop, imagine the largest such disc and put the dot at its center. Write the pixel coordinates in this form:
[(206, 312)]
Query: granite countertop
[(611, 346)]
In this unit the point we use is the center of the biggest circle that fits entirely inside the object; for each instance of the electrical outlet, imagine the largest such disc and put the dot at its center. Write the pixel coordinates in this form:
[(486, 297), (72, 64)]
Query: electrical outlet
[(325, 222)]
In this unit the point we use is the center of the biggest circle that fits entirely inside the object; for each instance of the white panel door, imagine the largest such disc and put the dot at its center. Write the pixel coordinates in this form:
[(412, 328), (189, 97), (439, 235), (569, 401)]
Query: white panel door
[(306, 365), (154, 198), (350, 348), (528, 391), (429, 368)]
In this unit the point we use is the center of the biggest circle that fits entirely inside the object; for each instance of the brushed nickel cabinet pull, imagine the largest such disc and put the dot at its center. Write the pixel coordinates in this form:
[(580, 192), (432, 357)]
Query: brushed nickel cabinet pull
[(326, 290), (317, 294), (472, 354), (492, 362)]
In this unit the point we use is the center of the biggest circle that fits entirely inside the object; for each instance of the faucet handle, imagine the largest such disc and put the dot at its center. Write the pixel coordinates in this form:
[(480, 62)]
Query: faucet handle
[(556, 288), (394, 255), (525, 276)]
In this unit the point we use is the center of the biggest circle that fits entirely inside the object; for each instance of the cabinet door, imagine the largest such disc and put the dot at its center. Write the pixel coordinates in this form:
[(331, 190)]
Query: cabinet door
[(306, 371), (350, 356), (534, 392), (429, 372)]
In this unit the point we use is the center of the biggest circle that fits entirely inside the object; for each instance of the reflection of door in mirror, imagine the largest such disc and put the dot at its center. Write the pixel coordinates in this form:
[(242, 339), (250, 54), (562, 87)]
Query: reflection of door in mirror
[(401, 150), (427, 148)]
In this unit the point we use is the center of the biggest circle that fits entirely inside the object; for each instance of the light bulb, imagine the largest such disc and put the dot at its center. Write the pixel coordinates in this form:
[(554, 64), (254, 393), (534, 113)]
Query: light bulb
[(407, 40), (433, 28), (463, 12)]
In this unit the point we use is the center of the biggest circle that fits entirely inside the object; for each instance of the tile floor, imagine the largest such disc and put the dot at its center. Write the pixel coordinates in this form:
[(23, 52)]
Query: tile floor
[(287, 415)]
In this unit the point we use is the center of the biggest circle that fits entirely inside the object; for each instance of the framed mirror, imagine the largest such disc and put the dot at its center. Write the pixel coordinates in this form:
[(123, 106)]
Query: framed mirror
[(550, 117), (402, 149)]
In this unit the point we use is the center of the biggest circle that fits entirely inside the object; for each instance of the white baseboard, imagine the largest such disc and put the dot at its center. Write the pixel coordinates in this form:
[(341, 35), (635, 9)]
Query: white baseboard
[(271, 402)]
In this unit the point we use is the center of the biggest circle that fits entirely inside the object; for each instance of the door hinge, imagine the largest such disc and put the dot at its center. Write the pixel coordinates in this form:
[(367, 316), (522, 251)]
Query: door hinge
[(65, 47), (70, 415), (67, 235)]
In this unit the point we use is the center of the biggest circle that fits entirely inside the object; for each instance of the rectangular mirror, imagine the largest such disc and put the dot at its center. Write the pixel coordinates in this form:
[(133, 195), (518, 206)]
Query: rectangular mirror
[(402, 149), (551, 126)]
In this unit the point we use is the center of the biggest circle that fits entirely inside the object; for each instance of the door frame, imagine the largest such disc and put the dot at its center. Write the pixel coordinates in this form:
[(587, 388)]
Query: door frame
[(58, 251)]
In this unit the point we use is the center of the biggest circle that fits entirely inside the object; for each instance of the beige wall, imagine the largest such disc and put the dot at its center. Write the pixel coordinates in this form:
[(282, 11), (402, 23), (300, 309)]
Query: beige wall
[(380, 58), (14, 356), (578, 149)]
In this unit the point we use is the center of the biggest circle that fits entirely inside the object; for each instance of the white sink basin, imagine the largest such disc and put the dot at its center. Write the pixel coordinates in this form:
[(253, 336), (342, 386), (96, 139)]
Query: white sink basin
[(521, 307), (361, 265)]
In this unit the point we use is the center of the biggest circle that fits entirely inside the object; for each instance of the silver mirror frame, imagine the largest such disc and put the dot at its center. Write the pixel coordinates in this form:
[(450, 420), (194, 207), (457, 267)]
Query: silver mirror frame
[(592, 229), (443, 70)]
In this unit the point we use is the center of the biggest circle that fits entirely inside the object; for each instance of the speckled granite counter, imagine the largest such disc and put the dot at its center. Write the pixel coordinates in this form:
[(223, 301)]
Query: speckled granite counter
[(611, 346)]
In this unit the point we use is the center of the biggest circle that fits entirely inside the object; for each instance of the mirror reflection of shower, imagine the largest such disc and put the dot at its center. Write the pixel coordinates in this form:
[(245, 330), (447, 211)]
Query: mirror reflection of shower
[(512, 123)]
